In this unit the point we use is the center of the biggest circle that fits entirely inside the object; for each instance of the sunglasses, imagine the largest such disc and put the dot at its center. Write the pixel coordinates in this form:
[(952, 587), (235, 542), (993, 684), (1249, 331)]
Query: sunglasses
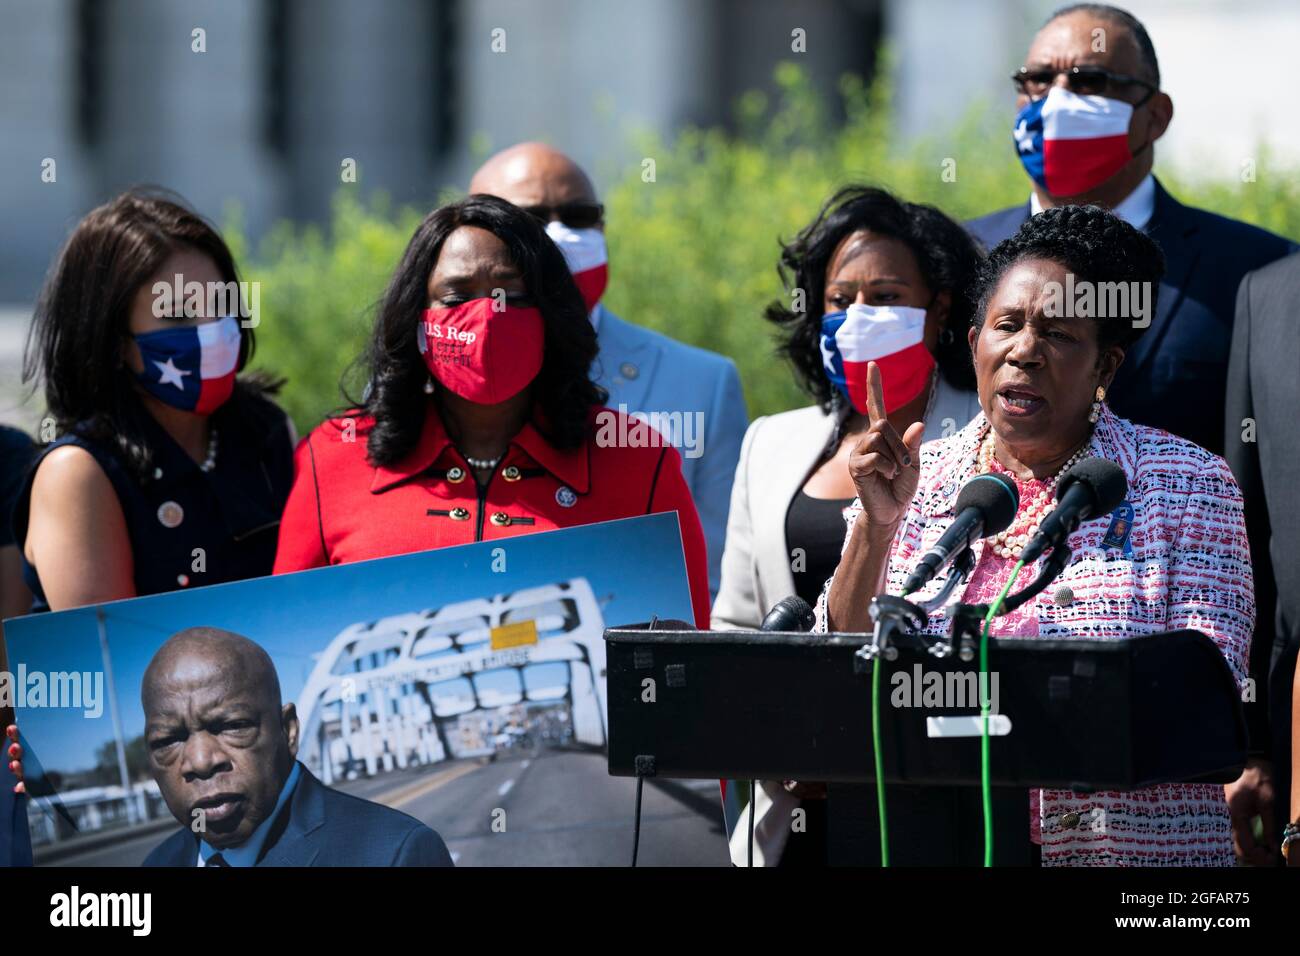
[(1082, 80), (579, 214)]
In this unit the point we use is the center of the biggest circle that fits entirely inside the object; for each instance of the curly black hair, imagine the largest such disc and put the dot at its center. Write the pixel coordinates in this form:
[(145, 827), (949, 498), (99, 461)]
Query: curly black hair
[(1095, 245), (397, 373), (946, 255), (82, 318)]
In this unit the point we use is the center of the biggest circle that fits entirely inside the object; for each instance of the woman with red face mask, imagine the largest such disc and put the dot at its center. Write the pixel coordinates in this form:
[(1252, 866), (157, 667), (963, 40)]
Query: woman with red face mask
[(481, 421)]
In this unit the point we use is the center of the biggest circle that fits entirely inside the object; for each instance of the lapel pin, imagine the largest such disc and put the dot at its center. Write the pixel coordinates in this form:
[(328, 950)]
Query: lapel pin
[(170, 514)]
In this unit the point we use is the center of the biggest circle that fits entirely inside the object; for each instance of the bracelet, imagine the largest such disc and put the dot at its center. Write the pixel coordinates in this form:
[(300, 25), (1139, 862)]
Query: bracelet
[(1290, 833)]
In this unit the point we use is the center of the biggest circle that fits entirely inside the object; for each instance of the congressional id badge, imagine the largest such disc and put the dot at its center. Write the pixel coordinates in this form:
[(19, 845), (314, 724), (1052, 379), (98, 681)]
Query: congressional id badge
[(1120, 530)]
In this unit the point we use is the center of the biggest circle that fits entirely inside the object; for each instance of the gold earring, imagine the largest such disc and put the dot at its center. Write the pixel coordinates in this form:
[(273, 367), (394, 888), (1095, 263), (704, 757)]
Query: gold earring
[(1096, 405)]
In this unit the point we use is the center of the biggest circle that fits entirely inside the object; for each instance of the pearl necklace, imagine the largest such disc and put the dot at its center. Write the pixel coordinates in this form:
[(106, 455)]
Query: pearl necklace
[(1011, 542), (211, 461), (484, 464)]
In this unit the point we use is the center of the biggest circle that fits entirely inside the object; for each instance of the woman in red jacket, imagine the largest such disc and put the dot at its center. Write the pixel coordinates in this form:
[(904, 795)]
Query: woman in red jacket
[(481, 421)]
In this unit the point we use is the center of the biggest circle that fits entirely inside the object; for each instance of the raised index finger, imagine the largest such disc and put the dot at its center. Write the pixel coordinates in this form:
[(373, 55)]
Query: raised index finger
[(875, 394)]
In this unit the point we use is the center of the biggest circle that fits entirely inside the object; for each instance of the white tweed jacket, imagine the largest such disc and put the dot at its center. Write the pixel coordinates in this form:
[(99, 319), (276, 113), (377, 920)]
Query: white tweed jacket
[(1187, 566)]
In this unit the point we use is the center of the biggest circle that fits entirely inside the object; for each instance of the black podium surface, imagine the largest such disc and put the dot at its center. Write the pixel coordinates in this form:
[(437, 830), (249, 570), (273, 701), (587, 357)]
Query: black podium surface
[(1084, 714)]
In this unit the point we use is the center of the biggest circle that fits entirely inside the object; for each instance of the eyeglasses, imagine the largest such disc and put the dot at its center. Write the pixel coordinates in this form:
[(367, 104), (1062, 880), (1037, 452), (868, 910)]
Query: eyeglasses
[(1083, 80), (579, 214)]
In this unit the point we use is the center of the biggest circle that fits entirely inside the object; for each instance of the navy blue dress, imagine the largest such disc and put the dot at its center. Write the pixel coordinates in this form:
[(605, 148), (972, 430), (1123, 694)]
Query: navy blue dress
[(16, 453), (190, 528)]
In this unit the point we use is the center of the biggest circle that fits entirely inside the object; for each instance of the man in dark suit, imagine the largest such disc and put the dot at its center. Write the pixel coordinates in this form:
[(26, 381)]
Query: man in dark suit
[(1096, 61), (222, 747), (1263, 448)]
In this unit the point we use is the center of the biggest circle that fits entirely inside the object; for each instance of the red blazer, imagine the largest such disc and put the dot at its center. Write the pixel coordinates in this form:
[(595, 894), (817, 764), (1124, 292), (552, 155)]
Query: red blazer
[(342, 508)]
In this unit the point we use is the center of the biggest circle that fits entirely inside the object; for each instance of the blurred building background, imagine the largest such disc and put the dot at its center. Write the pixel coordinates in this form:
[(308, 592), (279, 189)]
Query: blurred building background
[(416, 91)]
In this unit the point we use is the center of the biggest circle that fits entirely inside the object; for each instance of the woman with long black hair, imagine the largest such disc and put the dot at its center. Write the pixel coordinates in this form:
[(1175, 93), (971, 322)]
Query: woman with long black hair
[(481, 420), (169, 469)]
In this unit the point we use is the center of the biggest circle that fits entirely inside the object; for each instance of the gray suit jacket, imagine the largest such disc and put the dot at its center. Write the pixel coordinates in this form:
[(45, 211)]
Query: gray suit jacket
[(325, 827), (651, 373), (778, 453), (1264, 397)]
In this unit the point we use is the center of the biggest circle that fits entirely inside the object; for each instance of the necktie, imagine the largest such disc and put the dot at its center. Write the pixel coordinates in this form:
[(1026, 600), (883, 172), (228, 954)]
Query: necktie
[(216, 860)]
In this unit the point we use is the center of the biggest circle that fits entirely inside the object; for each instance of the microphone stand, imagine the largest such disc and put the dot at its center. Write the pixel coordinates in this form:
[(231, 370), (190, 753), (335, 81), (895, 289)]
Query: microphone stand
[(962, 566), (894, 615), (891, 615), (968, 619)]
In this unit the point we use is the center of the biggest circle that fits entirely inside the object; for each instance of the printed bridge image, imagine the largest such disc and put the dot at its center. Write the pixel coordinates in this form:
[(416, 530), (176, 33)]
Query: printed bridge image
[(482, 677)]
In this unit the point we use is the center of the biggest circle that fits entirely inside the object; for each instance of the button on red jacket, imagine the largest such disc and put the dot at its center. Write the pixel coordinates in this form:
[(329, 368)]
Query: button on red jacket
[(342, 508)]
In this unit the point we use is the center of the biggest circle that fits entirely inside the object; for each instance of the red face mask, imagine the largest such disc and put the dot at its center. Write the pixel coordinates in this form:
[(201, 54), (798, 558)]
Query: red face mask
[(483, 356)]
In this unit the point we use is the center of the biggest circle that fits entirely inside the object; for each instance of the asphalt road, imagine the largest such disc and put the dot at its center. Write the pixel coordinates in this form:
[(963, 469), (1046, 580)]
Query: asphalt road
[(563, 809), (550, 808)]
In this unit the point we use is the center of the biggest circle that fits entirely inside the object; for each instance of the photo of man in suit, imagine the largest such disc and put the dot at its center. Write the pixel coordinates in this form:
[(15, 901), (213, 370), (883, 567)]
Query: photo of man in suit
[(1091, 74), (222, 749)]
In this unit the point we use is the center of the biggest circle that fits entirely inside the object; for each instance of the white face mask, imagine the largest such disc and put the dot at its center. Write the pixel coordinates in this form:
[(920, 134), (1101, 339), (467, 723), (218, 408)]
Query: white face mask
[(584, 251)]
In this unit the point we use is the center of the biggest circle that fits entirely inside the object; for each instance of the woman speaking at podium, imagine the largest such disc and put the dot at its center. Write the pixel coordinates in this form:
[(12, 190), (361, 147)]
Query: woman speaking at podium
[(1174, 555)]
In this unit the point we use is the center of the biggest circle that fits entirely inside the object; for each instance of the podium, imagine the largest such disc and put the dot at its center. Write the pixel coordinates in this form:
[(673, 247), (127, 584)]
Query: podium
[(1072, 714)]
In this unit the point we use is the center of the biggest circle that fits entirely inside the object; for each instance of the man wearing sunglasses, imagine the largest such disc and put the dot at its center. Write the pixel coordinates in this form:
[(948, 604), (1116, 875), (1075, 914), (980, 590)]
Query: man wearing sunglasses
[(642, 370), (1090, 110)]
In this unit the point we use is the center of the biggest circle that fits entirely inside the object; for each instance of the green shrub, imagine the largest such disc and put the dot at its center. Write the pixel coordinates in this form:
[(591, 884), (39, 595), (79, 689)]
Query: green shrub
[(693, 252), (318, 290)]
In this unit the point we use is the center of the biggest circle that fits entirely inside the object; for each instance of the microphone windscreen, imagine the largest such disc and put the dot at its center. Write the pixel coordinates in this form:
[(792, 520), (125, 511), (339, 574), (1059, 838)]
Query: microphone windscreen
[(1104, 478), (791, 613), (994, 495)]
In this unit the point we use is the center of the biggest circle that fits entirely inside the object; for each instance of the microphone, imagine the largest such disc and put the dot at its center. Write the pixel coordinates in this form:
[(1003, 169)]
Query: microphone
[(987, 504), (1093, 487), (789, 614)]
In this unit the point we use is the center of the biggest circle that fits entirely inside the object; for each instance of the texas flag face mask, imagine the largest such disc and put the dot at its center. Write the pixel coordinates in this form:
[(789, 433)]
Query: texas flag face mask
[(191, 368), (1070, 144), (891, 336), (584, 251)]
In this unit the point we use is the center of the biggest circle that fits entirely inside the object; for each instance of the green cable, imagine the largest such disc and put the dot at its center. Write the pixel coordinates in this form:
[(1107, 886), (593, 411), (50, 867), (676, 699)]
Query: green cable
[(986, 785), (880, 762)]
